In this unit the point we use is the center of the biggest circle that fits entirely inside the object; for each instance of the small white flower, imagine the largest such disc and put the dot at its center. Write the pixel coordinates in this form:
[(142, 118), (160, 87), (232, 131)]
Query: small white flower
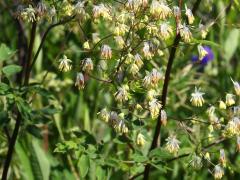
[(65, 64), (197, 98), (138, 60), (218, 172), (172, 144), (196, 162), (79, 8), (119, 41)]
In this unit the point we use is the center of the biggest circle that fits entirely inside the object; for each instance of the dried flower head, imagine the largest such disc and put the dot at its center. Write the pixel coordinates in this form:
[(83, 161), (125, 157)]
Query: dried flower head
[(65, 64), (197, 98), (172, 144)]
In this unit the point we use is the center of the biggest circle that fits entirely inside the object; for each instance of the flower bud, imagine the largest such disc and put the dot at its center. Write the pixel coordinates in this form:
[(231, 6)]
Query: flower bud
[(106, 52), (236, 87), (87, 65)]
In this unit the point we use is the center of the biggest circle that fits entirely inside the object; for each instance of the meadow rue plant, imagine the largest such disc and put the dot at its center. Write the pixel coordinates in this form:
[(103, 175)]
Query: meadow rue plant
[(125, 84)]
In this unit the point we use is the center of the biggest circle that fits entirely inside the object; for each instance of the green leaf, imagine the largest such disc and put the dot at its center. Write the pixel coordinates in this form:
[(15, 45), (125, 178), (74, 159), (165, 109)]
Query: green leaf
[(34, 130), (139, 158), (26, 169), (43, 161), (11, 70), (83, 165), (160, 153), (231, 44), (101, 173), (4, 119), (3, 88), (5, 52)]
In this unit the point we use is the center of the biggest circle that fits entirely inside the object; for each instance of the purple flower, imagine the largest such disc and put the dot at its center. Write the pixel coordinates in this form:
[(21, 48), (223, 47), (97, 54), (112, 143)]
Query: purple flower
[(206, 59)]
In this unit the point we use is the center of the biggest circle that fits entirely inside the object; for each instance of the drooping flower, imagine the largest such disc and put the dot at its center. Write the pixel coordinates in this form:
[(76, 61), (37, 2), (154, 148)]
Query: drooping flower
[(185, 33), (122, 94), (79, 8), (196, 162), (202, 52), (80, 82), (207, 58), (197, 98), (101, 11), (104, 115), (222, 157), (28, 14), (119, 41), (222, 105), (106, 52), (165, 31), (140, 139), (147, 51), (163, 117), (120, 29), (189, 15), (160, 10), (65, 64), (236, 87), (154, 108), (218, 172), (172, 144), (230, 99), (138, 60), (87, 65)]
